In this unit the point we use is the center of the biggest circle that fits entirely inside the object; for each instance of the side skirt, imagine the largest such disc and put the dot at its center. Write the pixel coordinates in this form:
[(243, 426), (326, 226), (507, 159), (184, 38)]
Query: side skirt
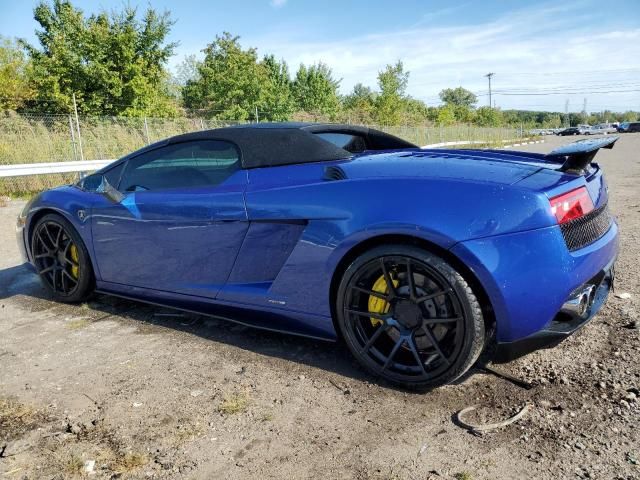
[(270, 319)]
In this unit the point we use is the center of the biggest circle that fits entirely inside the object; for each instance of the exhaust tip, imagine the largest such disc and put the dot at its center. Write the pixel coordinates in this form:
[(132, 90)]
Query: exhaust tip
[(579, 301)]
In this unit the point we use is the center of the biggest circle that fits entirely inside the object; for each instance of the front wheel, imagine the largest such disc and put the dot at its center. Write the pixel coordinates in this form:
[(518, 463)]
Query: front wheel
[(61, 259), (409, 317)]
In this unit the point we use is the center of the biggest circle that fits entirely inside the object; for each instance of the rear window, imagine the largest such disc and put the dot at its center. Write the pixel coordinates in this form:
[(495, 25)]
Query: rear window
[(349, 142)]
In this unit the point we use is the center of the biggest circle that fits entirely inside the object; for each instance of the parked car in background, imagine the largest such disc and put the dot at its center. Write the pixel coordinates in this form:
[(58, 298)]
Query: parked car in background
[(628, 127), (601, 129), (569, 131)]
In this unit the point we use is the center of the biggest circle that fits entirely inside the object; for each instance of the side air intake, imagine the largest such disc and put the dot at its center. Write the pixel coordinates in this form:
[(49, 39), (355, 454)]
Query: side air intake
[(333, 173)]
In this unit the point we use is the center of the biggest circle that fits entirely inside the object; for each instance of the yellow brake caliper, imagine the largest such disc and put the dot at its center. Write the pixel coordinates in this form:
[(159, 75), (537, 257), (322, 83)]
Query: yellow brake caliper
[(378, 305), (75, 269)]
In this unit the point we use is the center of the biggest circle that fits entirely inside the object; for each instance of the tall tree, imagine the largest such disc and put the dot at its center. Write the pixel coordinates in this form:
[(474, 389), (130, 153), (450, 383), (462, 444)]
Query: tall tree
[(316, 91), (488, 117), (359, 105), (458, 97), (230, 82), (14, 82), (113, 62), (278, 103), (392, 82)]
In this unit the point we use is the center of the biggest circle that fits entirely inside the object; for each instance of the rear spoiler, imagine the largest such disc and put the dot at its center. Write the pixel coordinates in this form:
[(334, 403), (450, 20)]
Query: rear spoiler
[(576, 156)]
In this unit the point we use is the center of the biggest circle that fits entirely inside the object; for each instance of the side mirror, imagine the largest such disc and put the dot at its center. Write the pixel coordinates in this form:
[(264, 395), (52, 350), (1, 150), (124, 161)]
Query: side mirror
[(108, 191)]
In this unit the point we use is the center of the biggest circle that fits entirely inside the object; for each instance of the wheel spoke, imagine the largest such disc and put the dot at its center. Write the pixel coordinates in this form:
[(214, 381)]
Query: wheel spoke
[(430, 296), (435, 344), (416, 354), (387, 278), (373, 293), (367, 314), (47, 270), (381, 329), (395, 349), (71, 262), (58, 237), (53, 281), (42, 242), (436, 321), (53, 244), (69, 276), (412, 287), (43, 255)]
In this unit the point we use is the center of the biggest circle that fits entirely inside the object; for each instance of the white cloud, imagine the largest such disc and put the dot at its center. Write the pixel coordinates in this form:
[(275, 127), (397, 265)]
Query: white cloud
[(526, 48)]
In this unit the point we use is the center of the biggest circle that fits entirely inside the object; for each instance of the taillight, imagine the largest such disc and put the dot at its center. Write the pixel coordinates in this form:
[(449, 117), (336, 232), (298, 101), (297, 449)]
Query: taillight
[(571, 205)]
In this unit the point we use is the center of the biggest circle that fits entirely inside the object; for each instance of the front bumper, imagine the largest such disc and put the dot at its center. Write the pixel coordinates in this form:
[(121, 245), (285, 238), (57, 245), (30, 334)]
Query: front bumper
[(573, 316), (20, 239)]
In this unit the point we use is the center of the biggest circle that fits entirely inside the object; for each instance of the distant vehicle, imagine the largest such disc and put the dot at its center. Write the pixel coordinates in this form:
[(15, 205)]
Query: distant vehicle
[(342, 232), (628, 127), (569, 131), (601, 129)]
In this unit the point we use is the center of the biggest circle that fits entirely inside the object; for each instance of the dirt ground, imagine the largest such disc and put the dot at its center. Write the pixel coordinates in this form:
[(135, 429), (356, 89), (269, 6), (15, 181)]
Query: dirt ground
[(145, 394)]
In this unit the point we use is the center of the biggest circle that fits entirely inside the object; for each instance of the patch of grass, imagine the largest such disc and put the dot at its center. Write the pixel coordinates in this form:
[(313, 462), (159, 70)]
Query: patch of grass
[(186, 432), (72, 465), (267, 417), (129, 461), (463, 476), (16, 418), (234, 403), (77, 324)]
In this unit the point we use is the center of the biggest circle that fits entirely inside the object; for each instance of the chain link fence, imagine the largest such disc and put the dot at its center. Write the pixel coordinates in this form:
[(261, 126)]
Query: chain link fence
[(28, 138)]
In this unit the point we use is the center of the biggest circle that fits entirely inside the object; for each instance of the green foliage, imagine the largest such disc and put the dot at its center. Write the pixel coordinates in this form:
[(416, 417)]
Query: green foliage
[(360, 104), (392, 82), (316, 91), (488, 117), (446, 115), (113, 62), (230, 81), (458, 97), (14, 82), (278, 102)]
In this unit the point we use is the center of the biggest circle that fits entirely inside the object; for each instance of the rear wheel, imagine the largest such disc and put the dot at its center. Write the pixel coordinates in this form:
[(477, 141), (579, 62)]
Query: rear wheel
[(409, 317), (61, 259)]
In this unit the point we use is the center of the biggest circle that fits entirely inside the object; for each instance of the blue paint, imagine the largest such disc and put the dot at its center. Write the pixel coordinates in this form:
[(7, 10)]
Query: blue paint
[(263, 246)]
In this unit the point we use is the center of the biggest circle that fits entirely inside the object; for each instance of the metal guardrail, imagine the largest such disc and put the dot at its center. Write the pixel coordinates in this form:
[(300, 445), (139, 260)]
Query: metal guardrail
[(92, 165), (52, 167)]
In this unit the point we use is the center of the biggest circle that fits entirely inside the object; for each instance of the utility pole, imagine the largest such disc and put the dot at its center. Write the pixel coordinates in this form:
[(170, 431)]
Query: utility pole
[(566, 113), (489, 75)]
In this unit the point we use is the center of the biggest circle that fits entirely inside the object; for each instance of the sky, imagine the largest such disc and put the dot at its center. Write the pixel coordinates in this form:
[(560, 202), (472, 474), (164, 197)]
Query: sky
[(543, 54)]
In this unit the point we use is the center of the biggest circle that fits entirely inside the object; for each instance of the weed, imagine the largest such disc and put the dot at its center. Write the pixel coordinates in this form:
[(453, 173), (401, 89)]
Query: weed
[(463, 476), (16, 418), (235, 403), (77, 324), (129, 461)]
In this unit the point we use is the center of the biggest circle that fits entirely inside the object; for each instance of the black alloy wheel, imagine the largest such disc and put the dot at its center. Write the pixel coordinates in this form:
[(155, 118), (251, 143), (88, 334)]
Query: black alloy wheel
[(61, 259), (410, 317)]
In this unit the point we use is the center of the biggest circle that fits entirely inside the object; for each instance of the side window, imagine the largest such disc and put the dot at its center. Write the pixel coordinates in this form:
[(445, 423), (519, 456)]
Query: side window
[(113, 175), (189, 164), (350, 143)]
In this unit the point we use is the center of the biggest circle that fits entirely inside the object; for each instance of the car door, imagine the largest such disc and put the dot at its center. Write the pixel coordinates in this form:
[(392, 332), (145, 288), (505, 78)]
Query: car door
[(181, 222)]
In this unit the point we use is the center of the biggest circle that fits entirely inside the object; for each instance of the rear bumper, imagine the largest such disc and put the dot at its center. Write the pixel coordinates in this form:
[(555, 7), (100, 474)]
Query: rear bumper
[(529, 278), (569, 319)]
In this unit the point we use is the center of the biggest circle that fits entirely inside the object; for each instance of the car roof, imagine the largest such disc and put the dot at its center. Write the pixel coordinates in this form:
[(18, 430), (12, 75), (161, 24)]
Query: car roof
[(273, 144)]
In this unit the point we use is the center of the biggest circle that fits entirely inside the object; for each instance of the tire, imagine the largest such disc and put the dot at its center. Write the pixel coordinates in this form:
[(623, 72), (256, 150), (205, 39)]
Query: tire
[(61, 259), (418, 335)]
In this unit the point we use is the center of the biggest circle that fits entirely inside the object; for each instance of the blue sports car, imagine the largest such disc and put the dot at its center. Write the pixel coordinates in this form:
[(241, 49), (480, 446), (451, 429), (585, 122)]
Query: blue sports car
[(417, 259)]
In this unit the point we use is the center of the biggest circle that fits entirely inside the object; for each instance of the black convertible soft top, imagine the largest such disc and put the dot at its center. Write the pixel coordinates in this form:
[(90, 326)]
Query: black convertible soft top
[(272, 144)]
